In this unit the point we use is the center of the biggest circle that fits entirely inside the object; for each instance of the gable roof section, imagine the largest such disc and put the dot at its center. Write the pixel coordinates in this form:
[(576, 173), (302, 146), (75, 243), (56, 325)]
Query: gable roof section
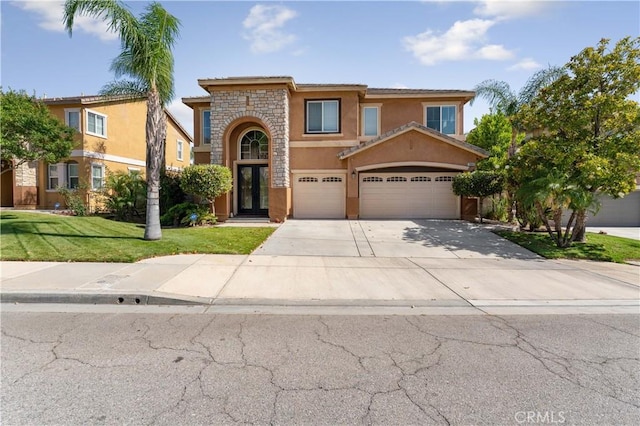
[(175, 121), (407, 128)]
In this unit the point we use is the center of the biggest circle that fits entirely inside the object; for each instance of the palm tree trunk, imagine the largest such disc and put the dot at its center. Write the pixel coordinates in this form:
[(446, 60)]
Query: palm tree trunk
[(156, 130)]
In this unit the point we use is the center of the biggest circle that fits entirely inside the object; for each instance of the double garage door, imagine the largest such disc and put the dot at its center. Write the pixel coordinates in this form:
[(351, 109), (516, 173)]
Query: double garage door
[(408, 195), (382, 196)]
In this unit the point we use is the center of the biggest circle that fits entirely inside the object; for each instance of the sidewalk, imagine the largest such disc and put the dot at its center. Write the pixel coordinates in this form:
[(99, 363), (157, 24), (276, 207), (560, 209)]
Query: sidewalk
[(267, 283)]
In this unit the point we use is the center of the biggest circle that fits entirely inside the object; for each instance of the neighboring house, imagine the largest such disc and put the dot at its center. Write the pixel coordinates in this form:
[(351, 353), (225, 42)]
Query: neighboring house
[(333, 150), (111, 137)]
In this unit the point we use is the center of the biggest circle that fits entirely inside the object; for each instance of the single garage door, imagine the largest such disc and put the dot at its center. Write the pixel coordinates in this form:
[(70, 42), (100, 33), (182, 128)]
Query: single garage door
[(319, 196), (408, 195), (618, 212)]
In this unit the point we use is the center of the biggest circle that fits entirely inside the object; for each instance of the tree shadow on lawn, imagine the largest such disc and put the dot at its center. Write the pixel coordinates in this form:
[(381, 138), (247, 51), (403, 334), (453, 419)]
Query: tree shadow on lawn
[(22, 230), (468, 239)]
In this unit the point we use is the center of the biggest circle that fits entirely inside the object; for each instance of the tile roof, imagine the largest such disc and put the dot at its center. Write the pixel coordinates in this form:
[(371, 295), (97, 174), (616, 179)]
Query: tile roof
[(90, 99), (405, 128)]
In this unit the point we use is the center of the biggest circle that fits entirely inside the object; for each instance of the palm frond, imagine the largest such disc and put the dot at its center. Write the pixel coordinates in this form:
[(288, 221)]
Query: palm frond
[(498, 94), (538, 81), (114, 12), (125, 90)]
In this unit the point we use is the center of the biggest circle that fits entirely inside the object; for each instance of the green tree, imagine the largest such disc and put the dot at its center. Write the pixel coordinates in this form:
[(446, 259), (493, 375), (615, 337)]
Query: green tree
[(506, 101), (206, 181), (492, 133), (147, 60), (479, 183), (30, 132), (587, 136)]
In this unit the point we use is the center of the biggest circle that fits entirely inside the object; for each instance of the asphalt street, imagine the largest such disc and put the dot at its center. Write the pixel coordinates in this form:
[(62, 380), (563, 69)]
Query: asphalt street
[(184, 369)]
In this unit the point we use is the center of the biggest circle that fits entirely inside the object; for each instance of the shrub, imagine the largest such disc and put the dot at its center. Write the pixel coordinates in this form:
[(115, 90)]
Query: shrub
[(171, 193), (125, 195), (206, 181), (74, 199), (181, 214)]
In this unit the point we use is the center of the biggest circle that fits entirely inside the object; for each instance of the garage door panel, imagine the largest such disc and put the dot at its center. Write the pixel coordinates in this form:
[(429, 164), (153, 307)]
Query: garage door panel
[(618, 212), (408, 195), (319, 196)]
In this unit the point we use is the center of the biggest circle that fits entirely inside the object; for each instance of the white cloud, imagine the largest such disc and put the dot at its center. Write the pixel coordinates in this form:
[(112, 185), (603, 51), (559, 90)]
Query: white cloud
[(525, 64), (399, 86), (264, 25), (464, 40), (50, 14), (507, 9), (494, 52)]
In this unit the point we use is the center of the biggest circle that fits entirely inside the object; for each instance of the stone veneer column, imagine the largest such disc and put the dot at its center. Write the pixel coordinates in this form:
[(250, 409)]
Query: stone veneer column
[(271, 107)]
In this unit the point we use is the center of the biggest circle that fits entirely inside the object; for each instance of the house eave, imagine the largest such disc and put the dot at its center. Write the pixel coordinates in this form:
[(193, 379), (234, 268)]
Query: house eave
[(210, 83)]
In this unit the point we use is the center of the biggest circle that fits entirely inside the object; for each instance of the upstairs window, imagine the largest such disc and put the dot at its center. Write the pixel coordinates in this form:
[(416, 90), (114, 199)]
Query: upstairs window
[(441, 118), (72, 118), (96, 124), (323, 116), (370, 121), (206, 126)]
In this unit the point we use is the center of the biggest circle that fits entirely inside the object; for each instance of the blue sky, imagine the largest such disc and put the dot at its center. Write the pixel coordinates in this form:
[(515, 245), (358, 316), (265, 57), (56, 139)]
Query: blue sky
[(414, 44)]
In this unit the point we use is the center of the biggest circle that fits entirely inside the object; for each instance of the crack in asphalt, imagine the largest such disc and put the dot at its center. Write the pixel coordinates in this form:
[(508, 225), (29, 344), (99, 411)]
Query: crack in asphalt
[(378, 373)]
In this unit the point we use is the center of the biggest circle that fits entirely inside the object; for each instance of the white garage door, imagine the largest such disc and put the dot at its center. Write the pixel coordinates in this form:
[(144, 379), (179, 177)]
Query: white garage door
[(621, 212), (408, 195), (319, 196)]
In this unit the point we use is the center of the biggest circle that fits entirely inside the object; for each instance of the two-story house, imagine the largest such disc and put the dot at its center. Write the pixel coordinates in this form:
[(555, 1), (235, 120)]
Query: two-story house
[(111, 137), (333, 150)]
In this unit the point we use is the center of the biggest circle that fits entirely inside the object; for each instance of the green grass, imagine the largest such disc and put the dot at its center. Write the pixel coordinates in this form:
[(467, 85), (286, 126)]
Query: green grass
[(50, 237), (603, 248)]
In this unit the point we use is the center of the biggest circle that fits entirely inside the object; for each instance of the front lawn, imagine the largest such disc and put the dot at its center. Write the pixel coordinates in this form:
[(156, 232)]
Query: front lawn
[(603, 248), (51, 237)]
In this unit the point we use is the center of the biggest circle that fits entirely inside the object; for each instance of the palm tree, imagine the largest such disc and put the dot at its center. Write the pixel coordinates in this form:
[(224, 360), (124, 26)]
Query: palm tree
[(147, 59), (503, 99)]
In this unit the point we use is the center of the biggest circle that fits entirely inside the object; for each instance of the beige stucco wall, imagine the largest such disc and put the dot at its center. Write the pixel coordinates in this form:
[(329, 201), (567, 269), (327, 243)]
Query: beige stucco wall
[(125, 139), (349, 115)]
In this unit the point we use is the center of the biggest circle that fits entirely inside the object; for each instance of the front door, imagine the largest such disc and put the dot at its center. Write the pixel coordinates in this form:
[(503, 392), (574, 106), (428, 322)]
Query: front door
[(253, 189)]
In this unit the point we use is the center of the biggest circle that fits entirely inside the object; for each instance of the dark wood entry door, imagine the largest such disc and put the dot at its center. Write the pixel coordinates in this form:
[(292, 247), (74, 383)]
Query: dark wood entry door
[(253, 189)]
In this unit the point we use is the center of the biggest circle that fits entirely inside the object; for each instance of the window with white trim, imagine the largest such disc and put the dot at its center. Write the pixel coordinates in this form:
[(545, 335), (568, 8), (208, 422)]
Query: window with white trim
[(441, 118), (97, 176), (72, 118), (52, 176), (179, 149), (370, 121), (73, 175), (206, 126), (96, 124), (322, 116)]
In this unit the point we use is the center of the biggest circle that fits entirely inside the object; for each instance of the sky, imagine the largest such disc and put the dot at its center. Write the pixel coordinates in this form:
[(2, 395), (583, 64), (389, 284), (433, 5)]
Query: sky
[(392, 44)]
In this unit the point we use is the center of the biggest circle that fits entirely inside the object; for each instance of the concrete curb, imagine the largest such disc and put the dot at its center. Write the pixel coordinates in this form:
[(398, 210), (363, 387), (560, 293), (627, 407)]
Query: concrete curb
[(102, 298)]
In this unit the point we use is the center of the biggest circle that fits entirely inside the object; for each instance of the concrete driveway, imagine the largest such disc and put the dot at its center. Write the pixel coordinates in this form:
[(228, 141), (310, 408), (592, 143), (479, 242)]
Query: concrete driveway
[(441, 239)]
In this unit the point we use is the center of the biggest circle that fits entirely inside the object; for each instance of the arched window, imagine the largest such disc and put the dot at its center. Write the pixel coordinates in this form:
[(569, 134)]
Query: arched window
[(254, 145)]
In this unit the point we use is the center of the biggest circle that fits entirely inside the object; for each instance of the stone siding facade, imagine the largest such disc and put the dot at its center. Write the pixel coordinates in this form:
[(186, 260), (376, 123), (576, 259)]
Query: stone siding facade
[(26, 174), (271, 107)]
